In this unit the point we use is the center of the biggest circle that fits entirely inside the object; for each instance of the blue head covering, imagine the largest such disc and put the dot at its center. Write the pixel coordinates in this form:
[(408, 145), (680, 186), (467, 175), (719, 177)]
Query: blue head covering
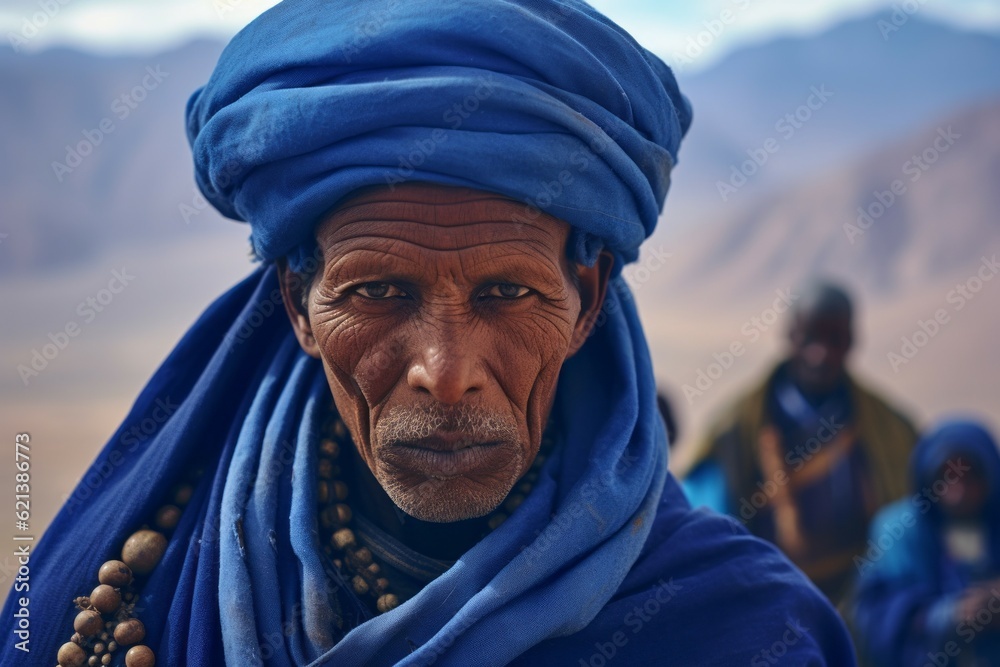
[(547, 102), (966, 442), (544, 101)]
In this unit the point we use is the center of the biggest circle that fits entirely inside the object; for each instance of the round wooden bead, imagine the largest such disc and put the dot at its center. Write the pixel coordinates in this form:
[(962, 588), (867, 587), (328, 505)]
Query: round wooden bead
[(130, 632), (182, 496), (339, 490), (343, 513), (106, 659), (360, 585), (329, 448), (387, 602), (88, 623), (513, 502), (98, 648), (93, 661), (381, 585), (325, 469), (105, 599), (343, 538), (168, 517), (115, 573), (140, 656), (143, 550), (71, 655), (323, 492), (362, 556), (339, 429), (328, 518)]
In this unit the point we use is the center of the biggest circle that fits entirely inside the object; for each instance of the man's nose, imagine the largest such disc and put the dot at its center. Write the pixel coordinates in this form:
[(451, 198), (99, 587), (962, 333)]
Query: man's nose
[(447, 370)]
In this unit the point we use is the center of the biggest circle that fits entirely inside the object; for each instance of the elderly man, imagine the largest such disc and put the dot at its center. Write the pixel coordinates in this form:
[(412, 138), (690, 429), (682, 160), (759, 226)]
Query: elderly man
[(806, 458), (449, 451)]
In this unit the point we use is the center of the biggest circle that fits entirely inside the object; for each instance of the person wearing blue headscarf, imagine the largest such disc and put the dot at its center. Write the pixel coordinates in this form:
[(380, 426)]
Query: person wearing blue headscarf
[(425, 430), (929, 589)]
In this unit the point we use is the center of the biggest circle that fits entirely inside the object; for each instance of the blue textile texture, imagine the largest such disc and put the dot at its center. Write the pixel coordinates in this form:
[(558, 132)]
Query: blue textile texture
[(544, 101)]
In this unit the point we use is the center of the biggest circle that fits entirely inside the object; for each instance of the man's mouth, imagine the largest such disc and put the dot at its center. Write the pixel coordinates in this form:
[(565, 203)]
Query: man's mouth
[(446, 455)]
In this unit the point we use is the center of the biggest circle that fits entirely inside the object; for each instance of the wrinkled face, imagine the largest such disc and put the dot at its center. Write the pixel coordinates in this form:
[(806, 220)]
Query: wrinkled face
[(442, 326), (819, 347)]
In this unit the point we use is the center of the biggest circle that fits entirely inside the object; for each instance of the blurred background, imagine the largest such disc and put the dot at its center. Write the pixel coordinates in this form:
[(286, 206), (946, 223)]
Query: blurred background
[(852, 139)]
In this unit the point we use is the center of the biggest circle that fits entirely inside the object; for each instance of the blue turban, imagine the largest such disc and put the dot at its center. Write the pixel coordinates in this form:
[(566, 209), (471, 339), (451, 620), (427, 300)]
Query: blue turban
[(546, 102)]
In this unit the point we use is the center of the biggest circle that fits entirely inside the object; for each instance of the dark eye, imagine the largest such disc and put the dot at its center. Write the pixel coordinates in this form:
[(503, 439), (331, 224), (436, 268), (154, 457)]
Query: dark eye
[(379, 291), (507, 291)]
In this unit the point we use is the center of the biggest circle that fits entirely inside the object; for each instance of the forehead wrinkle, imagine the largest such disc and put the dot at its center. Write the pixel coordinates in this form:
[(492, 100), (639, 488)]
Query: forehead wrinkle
[(440, 237), (461, 212)]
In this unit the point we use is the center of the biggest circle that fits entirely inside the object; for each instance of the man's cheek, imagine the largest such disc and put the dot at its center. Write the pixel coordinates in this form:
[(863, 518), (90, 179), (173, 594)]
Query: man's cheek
[(378, 366)]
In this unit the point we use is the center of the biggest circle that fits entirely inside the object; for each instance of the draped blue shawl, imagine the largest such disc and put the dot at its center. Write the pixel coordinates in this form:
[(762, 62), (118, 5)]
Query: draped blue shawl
[(558, 108)]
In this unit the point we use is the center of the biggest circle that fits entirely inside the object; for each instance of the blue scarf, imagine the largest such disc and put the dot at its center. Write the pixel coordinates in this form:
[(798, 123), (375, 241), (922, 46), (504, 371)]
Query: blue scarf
[(556, 107)]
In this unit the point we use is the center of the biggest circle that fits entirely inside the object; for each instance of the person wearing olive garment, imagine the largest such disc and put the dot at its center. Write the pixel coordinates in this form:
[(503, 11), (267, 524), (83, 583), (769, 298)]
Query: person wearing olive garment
[(424, 430)]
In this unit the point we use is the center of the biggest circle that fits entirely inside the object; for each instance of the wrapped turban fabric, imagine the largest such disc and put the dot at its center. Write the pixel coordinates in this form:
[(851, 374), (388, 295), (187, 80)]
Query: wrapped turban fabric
[(543, 101)]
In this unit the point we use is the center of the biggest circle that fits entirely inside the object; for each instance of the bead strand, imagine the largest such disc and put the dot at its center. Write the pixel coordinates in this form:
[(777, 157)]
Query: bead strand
[(106, 622), (340, 543), (335, 516)]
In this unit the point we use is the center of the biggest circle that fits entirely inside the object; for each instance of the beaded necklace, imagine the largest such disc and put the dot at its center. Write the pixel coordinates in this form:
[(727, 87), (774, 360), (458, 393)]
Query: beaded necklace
[(107, 619), (355, 562)]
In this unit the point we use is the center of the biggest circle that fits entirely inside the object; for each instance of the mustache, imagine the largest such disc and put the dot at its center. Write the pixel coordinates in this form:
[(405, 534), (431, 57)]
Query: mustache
[(406, 424)]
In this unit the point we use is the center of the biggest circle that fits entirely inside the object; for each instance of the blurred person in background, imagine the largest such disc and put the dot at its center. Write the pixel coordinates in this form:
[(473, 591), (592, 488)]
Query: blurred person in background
[(807, 457), (929, 590)]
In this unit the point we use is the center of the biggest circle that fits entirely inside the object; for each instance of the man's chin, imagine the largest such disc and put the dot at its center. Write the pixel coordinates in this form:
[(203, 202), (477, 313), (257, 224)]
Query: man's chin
[(447, 500)]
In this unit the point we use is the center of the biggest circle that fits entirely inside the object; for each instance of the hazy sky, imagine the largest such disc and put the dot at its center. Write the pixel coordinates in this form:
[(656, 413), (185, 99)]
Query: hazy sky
[(663, 26)]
